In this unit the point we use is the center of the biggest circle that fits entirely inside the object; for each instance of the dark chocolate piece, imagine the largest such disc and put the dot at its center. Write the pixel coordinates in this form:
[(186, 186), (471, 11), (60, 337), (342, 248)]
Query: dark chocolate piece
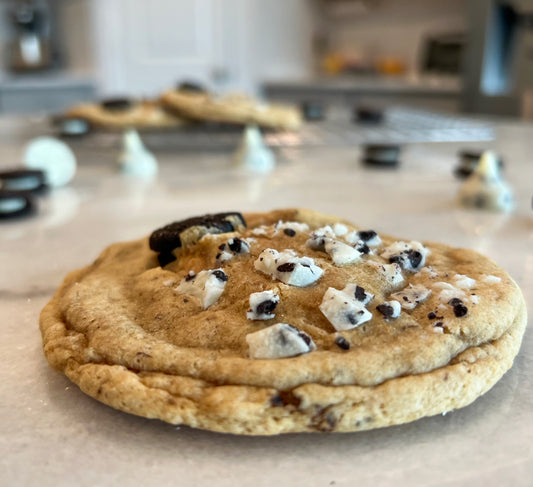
[(360, 293), (266, 307), (341, 342), (366, 235), (289, 231), (287, 267), (385, 309), (220, 275)]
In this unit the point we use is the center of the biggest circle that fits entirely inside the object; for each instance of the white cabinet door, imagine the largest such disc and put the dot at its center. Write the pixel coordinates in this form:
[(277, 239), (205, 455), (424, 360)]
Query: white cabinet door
[(145, 46)]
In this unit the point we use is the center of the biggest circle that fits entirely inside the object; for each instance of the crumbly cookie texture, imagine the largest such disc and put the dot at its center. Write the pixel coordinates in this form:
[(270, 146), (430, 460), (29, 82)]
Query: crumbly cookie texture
[(140, 115), (231, 109), (233, 346)]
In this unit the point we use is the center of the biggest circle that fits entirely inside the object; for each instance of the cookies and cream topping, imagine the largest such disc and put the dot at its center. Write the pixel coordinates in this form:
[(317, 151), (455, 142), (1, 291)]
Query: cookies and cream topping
[(341, 253), (279, 341), (390, 309), (391, 272), (358, 293), (294, 226), (410, 256), (207, 286), (369, 237), (262, 305), (464, 282), (492, 279), (343, 310), (411, 296), (287, 267), (234, 246), (317, 238)]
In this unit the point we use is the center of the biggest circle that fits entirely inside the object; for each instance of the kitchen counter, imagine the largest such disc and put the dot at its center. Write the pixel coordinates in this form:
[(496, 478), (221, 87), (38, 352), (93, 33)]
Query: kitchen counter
[(53, 434)]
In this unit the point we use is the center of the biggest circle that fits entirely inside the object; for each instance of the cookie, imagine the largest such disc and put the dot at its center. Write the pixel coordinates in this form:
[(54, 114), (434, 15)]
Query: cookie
[(230, 109), (124, 113), (284, 333)]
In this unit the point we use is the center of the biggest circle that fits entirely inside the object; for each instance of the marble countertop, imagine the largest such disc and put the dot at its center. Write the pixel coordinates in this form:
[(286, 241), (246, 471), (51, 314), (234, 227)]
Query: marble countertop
[(53, 434)]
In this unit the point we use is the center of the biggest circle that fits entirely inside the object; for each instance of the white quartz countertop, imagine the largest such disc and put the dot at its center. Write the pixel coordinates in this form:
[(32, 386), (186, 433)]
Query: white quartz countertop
[(51, 434)]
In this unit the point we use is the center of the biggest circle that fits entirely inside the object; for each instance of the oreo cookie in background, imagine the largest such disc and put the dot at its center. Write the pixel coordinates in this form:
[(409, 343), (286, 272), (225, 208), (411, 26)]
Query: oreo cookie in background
[(71, 127), (118, 104), (368, 115), (468, 161), (313, 111), (23, 180), (191, 87), (15, 204), (381, 155), (187, 232)]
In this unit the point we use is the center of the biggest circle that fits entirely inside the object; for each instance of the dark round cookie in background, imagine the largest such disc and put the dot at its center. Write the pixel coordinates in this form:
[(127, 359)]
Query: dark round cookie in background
[(117, 104), (191, 86), (15, 204), (23, 180), (368, 115), (313, 111), (381, 155), (71, 126)]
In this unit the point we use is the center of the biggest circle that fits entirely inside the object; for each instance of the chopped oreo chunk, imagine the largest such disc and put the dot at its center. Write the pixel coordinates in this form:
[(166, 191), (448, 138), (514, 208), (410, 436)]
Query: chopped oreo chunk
[(188, 232), (341, 342), (233, 247), (343, 311), (279, 341), (207, 286), (287, 267), (165, 259), (392, 273), (359, 293), (410, 256), (390, 309), (411, 296), (341, 253), (459, 309), (289, 232), (262, 305)]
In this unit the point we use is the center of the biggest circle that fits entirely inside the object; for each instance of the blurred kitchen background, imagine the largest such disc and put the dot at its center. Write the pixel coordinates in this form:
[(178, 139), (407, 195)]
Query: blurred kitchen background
[(454, 56)]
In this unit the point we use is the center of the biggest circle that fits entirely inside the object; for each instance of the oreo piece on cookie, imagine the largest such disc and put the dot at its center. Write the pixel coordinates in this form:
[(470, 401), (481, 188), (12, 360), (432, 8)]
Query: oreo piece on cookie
[(117, 104), (187, 232), (31, 180), (381, 155), (15, 204)]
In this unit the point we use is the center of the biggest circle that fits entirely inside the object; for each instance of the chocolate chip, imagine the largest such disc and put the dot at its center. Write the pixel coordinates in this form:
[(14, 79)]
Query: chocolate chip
[(454, 302), (396, 259), (266, 307), (460, 310), (287, 267), (341, 342), (432, 315), (360, 294), (220, 275), (415, 257), (187, 232), (235, 244), (289, 231), (305, 337), (367, 235), (276, 401), (222, 246), (386, 310)]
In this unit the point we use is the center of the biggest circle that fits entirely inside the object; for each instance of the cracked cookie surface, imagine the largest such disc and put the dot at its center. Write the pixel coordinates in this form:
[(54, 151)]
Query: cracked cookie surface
[(133, 335)]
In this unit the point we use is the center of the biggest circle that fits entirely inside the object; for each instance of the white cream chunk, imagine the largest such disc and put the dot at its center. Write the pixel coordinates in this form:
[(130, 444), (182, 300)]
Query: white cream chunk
[(278, 341), (262, 305), (411, 296), (341, 253), (431, 273), (464, 282), (207, 286), (492, 279), (391, 272), (287, 267), (343, 311), (296, 226), (234, 246), (369, 237), (317, 238), (358, 293), (447, 291), (339, 229), (411, 256)]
